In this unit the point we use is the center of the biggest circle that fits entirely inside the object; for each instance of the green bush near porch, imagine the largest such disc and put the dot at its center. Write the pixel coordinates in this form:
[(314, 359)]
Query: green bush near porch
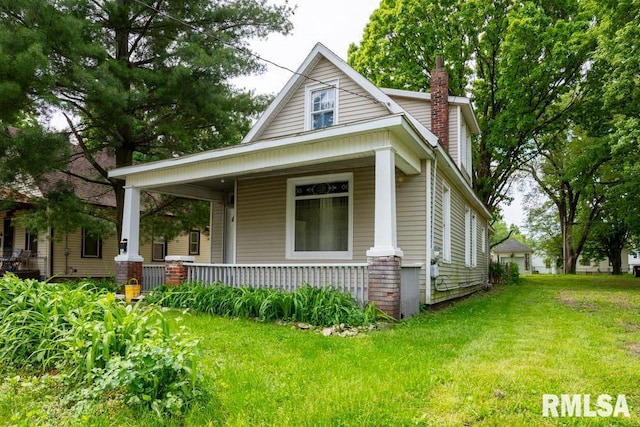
[(97, 346), (316, 306)]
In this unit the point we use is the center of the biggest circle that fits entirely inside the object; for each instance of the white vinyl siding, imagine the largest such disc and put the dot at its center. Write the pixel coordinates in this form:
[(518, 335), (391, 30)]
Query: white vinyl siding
[(420, 109), (261, 217), (446, 223), (291, 118)]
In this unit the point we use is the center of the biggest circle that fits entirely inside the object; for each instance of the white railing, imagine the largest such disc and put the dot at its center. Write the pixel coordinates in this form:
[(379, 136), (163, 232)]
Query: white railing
[(152, 276), (350, 278)]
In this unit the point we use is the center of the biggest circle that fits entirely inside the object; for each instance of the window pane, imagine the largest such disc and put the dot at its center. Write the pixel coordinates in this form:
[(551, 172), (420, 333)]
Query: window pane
[(194, 243), (90, 246), (322, 224), (322, 120), (158, 251), (323, 100)]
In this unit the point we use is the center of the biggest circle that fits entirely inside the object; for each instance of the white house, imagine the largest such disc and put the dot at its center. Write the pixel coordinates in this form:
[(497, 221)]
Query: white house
[(343, 180)]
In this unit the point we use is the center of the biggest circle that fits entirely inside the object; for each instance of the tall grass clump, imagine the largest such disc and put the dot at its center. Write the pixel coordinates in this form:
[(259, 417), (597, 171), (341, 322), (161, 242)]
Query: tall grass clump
[(316, 306), (100, 344)]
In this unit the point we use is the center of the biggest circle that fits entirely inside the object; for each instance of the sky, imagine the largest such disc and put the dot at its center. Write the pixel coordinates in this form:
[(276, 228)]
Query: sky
[(314, 21)]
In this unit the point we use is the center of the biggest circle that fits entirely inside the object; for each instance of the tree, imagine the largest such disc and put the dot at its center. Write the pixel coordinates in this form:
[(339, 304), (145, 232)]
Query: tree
[(138, 80), (570, 170), (503, 232), (608, 237), (521, 62)]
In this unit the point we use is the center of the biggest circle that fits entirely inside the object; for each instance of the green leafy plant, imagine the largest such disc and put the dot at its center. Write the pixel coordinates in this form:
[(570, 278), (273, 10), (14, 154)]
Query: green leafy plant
[(316, 306), (102, 344)]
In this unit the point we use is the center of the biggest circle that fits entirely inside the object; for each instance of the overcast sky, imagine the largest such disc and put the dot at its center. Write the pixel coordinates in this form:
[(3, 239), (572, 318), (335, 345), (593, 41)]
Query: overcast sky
[(334, 23)]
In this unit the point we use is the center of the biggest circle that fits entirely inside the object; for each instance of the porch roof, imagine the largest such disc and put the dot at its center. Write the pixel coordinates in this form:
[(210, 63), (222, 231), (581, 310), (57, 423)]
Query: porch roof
[(202, 175)]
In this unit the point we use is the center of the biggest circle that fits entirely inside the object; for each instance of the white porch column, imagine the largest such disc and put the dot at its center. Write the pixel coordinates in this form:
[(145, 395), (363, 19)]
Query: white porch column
[(129, 261), (131, 225), (385, 238)]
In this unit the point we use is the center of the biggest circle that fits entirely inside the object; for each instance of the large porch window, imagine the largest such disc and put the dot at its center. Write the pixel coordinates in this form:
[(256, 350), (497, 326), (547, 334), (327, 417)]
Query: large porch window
[(320, 217)]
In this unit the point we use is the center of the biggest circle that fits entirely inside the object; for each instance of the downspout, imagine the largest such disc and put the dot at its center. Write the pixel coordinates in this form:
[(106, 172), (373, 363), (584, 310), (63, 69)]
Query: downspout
[(432, 280)]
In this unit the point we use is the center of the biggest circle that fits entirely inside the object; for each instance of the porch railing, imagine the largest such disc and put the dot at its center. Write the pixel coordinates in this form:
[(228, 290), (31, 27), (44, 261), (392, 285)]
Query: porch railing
[(152, 276), (350, 278)]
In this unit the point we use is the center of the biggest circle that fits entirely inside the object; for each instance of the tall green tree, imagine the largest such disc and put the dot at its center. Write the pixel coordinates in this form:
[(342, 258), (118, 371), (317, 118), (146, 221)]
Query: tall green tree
[(521, 62), (137, 79), (572, 171)]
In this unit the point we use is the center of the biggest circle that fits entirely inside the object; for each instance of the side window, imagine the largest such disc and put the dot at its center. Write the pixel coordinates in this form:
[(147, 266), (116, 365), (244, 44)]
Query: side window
[(158, 249), (446, 223), (31, 243), (194, 242), (91, 245)]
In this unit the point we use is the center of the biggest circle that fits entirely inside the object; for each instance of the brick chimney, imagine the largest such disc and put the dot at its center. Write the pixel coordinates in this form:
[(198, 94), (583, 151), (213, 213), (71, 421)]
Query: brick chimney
[(440, 103)]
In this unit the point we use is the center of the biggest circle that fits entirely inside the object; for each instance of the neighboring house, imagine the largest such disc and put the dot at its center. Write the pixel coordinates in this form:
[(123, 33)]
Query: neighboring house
[(588, 266), (77, 254), (338, 175), (634, 262), (512, 251), (542, 264)]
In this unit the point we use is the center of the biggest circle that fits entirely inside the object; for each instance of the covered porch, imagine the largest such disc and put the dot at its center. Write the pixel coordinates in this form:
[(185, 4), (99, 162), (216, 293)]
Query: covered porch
[(244, 217)]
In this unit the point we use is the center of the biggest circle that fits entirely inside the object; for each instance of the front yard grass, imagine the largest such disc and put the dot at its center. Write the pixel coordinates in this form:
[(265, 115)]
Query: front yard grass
[(486, 360)]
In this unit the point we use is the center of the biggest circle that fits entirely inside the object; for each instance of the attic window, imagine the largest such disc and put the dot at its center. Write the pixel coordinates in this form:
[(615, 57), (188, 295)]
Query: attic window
[(321, 105)]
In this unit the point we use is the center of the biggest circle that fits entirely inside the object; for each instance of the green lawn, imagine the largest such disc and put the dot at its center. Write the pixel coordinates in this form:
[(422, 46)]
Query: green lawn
[(486, 360)]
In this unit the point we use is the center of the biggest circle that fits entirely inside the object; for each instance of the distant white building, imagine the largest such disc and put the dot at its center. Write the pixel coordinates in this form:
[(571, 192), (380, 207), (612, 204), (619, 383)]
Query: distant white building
[(512, 251), (634, 260), (541, 264), (586, 266)]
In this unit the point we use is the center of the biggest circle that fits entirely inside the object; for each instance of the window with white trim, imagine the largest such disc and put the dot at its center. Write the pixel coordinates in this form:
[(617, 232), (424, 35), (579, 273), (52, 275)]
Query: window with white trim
[(474, 240), (194, 242), (320, 217), (467, 237), (158, 249), (483, 240), (91, 245), (446, 223), (321, 105)]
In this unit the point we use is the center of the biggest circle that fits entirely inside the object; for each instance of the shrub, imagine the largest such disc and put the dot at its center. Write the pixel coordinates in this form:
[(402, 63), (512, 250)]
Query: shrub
[(100, 343), (316, 306)]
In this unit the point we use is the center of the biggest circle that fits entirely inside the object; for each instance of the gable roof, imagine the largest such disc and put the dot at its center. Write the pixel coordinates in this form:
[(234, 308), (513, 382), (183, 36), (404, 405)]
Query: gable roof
[(89, 190), (512, 246), (301, 76)]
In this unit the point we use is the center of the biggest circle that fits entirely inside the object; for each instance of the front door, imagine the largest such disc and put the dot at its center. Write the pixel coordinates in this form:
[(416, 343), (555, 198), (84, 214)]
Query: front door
[(229, 235)]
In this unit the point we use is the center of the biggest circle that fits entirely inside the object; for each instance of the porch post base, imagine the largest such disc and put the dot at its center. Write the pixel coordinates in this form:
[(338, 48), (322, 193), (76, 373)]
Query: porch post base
[(175, 270), (126, 270), (384, 274)]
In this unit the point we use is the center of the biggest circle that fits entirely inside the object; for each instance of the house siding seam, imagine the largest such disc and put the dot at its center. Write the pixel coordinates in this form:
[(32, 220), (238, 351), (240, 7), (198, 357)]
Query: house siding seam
[(352, 108)]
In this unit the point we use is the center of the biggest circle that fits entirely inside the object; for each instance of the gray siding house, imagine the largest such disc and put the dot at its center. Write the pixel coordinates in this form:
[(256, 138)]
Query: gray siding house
[(338, 183)]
